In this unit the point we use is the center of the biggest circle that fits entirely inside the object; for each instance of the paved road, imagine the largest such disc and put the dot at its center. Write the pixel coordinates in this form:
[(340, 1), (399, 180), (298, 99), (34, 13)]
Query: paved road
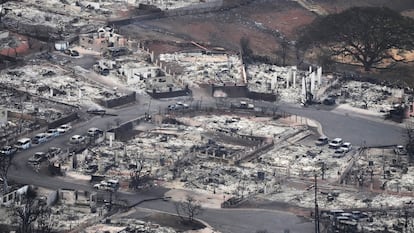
[(354, 129), (244, 220), (351, 126)]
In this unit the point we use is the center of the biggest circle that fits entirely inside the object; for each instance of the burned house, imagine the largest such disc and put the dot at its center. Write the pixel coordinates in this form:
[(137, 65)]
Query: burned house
[(102, 39)]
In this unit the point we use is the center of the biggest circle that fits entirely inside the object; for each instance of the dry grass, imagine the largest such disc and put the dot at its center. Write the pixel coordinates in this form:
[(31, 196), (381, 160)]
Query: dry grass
[(258, 21)]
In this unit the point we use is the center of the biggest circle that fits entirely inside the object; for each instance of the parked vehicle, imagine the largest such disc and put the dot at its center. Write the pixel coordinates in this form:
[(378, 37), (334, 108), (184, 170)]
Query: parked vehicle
[(108, 185), (103, 185), (23, 144), (52, 132), (37, 158), (329, 101), (400, 150), (94, 132), (339, 153), (77, 139), (39, 138), (323, 140), (346, 146), (92, 168), (245, 105), (53, 151), (335, 143), (48, 137), (98, 186), (178, 106), (336, 212), (74, 53), (113, 184), (64, 129), (8, 150)]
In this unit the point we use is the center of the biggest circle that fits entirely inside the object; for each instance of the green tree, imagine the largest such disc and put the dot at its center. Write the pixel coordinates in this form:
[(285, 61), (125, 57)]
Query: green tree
[(367, 34)]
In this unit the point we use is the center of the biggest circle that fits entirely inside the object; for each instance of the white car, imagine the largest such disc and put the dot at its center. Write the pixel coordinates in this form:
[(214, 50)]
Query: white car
[(77, 139), (39, 138), (104, 185), (400, 150), (178, 106), (339, 153), (101, 186), (323, 140), (23, 144), (346, 146), (64, 129), (335, 143), (245, 105), (52, 132), (181, 104)]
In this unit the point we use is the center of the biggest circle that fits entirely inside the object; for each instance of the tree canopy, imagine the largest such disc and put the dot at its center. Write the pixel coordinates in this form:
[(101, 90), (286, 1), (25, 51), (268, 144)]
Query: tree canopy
[(367, 34)]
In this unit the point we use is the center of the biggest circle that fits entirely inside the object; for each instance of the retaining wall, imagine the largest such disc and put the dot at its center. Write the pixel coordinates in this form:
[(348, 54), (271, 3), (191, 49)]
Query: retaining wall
[(112, 103), (241, 92), (232, 91), (71, 117), (261, 96), (170, 94), (126, 130)]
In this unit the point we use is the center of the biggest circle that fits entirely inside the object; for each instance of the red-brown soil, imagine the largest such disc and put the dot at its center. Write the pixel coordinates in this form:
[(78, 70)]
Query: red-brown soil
[(262, 22)]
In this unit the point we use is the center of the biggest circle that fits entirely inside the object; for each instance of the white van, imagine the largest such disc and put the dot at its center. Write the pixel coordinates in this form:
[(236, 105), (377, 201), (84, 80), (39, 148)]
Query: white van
[(23, 144)]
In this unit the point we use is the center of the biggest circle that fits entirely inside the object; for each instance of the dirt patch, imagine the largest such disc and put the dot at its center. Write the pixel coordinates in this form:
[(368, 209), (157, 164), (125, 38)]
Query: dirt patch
[(216, 31), (174, 222), (408, 13), (287, 21), (262, 22)]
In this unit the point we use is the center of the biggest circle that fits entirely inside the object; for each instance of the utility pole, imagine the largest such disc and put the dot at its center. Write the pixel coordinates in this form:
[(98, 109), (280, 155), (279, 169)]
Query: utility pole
[(147, 113), (323, 170), (317, 230)]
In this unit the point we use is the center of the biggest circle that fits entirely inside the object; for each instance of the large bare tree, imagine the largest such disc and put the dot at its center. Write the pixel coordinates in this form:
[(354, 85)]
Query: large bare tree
[(29, 211), (188, 209), (5, 163), (366, 34)]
